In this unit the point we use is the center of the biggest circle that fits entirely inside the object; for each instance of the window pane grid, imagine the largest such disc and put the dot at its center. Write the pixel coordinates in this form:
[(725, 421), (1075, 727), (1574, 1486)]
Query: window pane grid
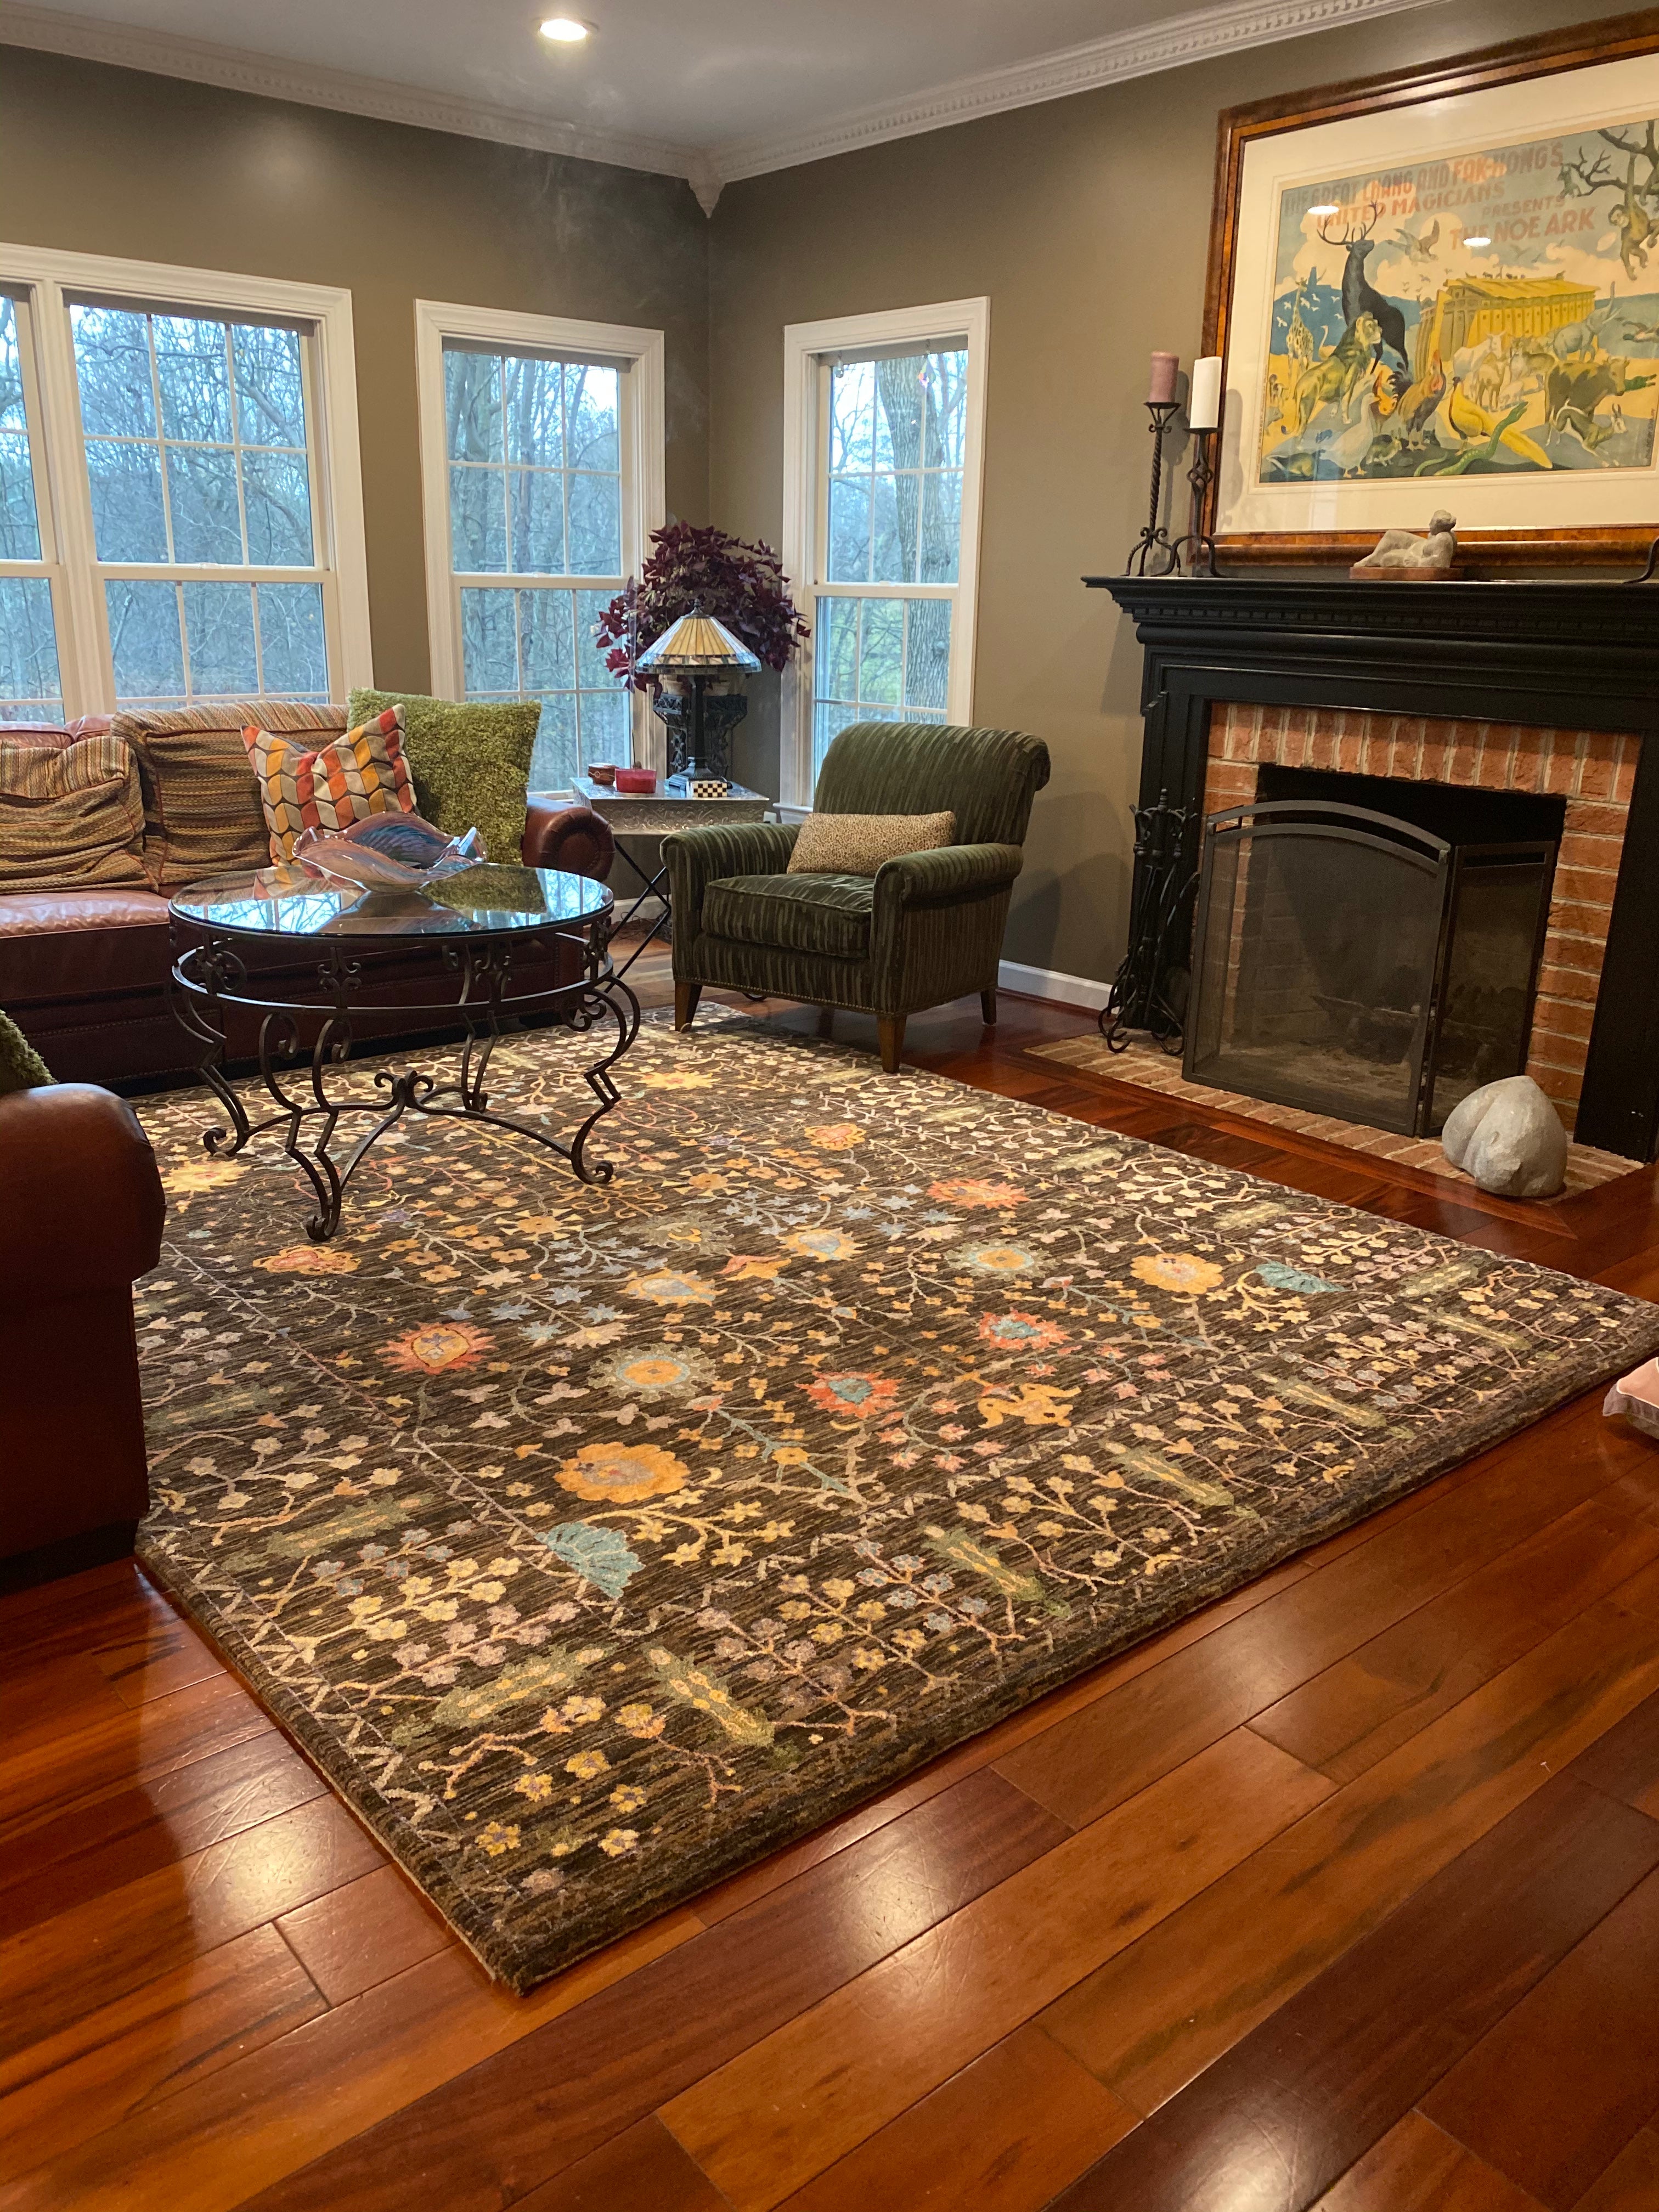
[(174, 643), (196, 441), (175, 479), (535, 641), (534, 445), (20, 521), (31, 687), (878, 661), (890, 471), (895, 450), (535, 465)]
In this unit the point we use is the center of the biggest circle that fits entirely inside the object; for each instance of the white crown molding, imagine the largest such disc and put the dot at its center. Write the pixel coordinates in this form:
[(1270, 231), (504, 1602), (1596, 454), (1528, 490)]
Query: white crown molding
[(1114, 59), (88, 38)]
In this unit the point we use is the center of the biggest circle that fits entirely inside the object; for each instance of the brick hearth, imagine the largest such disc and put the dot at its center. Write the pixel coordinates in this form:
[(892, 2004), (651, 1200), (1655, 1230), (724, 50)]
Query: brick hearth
[(1592, 770)]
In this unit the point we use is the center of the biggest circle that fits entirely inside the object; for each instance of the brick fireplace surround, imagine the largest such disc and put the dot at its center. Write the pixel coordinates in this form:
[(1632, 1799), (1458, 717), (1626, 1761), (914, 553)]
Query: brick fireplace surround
[(1593, 771), (1549, 684)]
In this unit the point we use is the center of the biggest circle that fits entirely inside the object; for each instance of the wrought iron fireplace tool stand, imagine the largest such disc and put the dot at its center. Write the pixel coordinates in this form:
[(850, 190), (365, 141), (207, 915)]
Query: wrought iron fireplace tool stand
[(1160, 911)]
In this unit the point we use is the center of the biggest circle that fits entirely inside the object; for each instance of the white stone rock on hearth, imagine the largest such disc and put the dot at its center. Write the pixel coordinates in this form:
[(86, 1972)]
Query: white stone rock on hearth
[(1510, 1139)]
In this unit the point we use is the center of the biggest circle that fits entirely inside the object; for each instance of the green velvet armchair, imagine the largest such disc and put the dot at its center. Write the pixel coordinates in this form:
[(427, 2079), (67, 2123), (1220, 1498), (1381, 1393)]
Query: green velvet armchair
[(922, 930)]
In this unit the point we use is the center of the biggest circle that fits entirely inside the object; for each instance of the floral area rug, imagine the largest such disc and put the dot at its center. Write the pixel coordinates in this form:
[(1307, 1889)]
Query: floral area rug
[(593, 1542)]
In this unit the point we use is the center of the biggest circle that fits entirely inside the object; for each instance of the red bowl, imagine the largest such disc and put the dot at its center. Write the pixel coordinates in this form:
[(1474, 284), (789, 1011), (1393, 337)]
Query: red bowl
[(641, 781)]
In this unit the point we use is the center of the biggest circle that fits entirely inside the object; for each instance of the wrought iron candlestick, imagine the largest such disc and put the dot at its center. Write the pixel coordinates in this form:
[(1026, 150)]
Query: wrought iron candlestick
[(1198, 547), (1154, 541), (1160, 904)]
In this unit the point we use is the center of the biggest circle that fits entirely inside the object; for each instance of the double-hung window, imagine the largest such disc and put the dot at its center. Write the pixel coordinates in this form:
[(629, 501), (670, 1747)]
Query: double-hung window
[(883, 443), (181, 509), (542, 464)]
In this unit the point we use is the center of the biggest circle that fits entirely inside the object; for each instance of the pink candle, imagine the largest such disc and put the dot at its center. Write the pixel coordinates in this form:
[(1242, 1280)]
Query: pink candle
[(1166, 367)]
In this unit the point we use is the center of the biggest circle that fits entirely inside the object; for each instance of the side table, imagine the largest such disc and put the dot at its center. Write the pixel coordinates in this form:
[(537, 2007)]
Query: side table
[(634, 814)]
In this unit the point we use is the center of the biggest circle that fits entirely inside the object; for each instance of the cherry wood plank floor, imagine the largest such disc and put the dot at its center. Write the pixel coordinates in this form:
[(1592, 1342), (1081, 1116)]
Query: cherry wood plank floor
[(1341, 1895)]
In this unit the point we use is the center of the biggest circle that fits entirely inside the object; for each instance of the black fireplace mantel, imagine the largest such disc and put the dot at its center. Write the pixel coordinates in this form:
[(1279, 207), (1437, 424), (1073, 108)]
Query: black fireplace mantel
[(1556, 655)]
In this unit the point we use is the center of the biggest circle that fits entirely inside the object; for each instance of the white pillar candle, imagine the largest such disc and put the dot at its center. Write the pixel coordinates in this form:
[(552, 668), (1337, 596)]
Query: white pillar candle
[(1204, 398)]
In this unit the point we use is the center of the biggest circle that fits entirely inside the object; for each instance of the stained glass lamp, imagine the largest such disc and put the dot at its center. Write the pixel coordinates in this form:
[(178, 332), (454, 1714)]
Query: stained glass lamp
[(700, 651)]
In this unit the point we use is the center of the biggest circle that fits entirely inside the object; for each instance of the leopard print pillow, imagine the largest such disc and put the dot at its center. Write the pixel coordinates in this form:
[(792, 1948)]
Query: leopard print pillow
[(857, 844)]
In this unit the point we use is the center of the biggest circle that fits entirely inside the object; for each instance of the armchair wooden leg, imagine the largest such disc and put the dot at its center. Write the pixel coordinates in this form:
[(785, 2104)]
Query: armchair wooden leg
[(988, 1008), (890, 1028), (686, 996), (826, 1021)]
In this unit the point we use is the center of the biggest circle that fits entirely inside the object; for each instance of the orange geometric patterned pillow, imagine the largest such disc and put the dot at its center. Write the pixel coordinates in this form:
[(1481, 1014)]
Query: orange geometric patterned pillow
[(362, 772)]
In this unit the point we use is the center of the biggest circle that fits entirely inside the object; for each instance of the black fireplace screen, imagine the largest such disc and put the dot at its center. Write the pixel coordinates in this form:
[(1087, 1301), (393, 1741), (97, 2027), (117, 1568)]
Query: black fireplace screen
[(1357, 965)]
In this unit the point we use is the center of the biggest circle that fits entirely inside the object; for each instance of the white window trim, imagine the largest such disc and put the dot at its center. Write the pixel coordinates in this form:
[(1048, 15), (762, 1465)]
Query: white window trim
[(805, 345), (644, 500), (44, 274)]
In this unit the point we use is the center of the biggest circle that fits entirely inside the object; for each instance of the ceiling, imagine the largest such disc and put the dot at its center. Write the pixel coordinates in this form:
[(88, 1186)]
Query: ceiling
[(709, 90)]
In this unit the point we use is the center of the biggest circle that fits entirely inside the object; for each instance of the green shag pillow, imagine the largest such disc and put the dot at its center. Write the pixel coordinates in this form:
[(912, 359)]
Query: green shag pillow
[(470, 763), (21, 1067)]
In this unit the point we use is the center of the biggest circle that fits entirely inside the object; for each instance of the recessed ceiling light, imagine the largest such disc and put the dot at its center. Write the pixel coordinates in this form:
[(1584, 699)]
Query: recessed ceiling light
[(564, 30), (1477, 241)]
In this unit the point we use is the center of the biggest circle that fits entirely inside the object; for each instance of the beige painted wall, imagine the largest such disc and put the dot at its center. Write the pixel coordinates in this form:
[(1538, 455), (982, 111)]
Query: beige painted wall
[(106, 160), (1086, 222)]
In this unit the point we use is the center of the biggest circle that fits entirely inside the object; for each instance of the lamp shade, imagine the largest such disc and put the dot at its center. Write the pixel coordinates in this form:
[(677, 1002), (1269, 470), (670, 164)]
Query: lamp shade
[(696, 640)]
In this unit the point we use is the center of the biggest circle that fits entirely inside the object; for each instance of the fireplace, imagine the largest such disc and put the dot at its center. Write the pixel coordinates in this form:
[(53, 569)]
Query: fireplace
[(1357, 963), (1544, 691)]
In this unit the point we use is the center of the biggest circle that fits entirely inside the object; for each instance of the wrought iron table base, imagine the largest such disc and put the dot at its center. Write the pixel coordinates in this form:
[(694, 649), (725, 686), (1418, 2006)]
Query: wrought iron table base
[(210, 975), (662, 924)]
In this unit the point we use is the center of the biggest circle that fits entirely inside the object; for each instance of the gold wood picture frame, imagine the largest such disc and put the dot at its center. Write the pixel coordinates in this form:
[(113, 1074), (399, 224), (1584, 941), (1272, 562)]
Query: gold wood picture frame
[(1440, 287)]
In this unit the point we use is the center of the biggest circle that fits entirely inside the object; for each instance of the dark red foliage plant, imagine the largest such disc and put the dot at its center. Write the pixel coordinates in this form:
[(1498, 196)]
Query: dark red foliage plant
[(740, 585)]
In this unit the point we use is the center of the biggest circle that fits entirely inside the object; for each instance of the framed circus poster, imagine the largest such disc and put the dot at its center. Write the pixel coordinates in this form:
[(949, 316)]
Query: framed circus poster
[(1441, 288)]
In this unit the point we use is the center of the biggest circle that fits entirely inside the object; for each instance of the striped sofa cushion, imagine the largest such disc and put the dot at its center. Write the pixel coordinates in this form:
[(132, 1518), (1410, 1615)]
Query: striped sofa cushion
[(203, 815), (331, 787), (71, 817)]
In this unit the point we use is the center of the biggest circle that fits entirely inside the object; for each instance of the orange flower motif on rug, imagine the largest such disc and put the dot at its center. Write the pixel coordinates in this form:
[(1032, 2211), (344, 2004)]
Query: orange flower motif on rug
[(623, 1475), (1176, 1271), (865, 1396), (966, 1190), (837, 1136), (311, 1260), (1021, 1333), (439, 1348)]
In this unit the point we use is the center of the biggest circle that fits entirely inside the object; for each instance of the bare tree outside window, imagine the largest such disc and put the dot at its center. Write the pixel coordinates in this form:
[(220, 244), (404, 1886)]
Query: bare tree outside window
[(198, 457), (30, 687), (534, 448), (892, 465)]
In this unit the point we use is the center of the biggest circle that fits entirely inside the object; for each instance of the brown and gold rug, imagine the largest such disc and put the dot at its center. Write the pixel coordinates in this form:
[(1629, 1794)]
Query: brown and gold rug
[(1145, 1068), (593, 1542)]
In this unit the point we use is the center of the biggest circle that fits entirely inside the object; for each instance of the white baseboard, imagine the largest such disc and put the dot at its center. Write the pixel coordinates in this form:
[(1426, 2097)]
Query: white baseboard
[(1081, 991)]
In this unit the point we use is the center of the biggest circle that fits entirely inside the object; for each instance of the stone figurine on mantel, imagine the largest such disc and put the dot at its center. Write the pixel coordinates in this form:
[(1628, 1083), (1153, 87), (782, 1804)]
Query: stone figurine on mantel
[(1401, 556)]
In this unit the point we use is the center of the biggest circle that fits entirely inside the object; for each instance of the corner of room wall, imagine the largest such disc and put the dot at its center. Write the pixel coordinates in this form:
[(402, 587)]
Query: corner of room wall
[(392, 213), (1086, 220)]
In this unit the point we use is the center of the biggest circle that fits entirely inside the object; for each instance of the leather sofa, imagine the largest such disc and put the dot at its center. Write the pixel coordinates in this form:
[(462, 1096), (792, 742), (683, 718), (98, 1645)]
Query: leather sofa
[(80, 1211), (83, 972)]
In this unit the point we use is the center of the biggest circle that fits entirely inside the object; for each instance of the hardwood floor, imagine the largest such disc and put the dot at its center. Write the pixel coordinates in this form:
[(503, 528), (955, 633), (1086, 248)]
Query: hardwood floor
[(1343, 1893)]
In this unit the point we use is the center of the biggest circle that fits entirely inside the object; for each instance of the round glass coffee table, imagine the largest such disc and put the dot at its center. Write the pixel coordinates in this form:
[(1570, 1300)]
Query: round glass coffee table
[(476, 923)]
